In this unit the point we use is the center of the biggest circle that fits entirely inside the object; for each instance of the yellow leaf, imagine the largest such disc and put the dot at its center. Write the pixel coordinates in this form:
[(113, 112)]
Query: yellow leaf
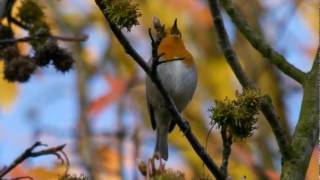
[(39, 172), (216, 76), (8, 91), (241, 171), (43, 173)]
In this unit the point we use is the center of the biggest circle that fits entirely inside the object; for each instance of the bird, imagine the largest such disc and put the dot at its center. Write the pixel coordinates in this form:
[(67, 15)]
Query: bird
[(179, 79)]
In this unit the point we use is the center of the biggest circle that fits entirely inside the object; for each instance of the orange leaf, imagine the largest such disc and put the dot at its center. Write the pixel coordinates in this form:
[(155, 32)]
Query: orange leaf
[(117, 89), (37, 172), (109, 158), (313, 169), (19, 171), (272, 175)]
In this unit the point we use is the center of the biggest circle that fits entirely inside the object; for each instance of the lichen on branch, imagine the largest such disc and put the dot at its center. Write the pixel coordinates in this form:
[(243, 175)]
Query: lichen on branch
[(123, 13), (237, 116)]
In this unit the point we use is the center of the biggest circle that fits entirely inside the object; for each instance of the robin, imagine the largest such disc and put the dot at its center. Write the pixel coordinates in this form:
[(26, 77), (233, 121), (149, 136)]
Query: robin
[(179, 79)]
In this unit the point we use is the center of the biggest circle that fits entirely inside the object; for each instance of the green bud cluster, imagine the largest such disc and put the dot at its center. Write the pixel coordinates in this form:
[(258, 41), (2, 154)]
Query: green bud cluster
[(123, 13), (237, 116)]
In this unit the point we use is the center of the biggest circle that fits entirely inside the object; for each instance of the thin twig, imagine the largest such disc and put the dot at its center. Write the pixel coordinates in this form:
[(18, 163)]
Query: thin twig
[(227, 142), (28, 153), (29, 38), (79, 38), (155, 55), (18, 23), (84, 134), (258, 42), (206, 143), (184, 127), (67, 162), (306, 133), (282, 137), (22, 177)]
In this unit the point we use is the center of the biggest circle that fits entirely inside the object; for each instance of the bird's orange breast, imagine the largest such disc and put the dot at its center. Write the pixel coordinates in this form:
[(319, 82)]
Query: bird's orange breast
[(173, 47)]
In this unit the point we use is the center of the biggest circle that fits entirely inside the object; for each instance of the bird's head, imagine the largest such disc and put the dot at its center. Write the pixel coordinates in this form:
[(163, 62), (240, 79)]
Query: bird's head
[(172, 45), (174, 30), (172, 38)]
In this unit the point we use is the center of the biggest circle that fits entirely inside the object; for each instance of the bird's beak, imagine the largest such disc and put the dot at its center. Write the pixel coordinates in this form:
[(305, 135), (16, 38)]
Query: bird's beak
[(174, 29)]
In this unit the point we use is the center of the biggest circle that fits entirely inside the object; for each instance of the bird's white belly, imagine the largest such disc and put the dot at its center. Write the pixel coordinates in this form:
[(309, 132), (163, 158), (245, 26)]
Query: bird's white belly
[(179, 81)]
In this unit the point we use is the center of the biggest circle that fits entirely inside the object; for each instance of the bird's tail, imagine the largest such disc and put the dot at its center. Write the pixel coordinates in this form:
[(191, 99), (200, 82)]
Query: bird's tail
[(162, 142)]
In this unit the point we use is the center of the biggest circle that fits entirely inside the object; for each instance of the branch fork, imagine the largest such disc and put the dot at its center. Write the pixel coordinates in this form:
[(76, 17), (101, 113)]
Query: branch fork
[(31, 153)]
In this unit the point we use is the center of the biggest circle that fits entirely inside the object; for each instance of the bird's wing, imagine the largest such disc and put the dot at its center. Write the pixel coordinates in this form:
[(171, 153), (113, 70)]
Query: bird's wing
[(151, 113)]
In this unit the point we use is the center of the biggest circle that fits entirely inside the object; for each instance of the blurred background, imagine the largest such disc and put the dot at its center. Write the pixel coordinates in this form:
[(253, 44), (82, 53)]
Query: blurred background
[(99, 110)]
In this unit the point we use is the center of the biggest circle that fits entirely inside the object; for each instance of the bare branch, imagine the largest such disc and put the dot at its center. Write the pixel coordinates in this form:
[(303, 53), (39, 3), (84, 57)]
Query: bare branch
[(226, 47), (306, 134), (18, 23), (22, 177), (76, 38), (29, 38), (227, 142), (183, 125), (266, 105), (29, 153), (258, 42)]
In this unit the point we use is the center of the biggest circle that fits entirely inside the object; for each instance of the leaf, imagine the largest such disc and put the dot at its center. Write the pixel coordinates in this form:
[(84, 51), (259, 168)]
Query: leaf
[(38, 172), (19, 171), (44, 173), (313, 169), (117, 88), (272, 175), (238, 170), (109, 159), (8, 91), (217, 78)]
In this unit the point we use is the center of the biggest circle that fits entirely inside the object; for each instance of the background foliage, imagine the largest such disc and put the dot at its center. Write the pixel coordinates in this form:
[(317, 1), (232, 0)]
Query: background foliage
[(98, 108)]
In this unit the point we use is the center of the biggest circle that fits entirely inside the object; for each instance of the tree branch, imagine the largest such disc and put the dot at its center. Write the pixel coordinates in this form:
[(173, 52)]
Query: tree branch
[(266, 106), (183, 125), (31, 38), (258, 42), (307, 130), (18, 23), (86, 146), (227, 142), (29, 153)]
